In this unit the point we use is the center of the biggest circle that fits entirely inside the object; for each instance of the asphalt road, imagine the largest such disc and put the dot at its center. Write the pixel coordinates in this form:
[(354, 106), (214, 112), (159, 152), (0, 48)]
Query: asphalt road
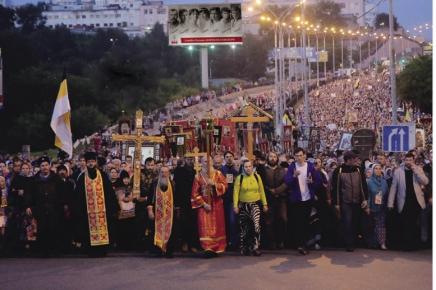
[(325, 270)]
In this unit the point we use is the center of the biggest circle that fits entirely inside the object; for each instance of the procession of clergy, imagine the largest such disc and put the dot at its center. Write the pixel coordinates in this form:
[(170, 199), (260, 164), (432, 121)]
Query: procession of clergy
[(202, 205)]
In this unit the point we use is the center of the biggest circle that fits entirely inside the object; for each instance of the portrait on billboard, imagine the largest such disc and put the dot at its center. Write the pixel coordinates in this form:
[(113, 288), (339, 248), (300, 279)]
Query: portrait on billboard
[(205, 24)]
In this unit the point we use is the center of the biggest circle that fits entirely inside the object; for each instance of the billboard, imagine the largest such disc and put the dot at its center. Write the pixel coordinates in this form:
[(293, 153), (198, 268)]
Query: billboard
[(205, 24)]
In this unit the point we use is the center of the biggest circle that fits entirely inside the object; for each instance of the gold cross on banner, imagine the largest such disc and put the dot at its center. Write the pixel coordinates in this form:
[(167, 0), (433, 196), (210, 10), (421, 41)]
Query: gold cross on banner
[(138, 138), (196, 155), (248, 112)]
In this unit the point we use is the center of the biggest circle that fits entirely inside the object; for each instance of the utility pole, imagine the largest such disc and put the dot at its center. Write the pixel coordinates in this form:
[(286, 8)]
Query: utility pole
[(392, 64), (306, 96)]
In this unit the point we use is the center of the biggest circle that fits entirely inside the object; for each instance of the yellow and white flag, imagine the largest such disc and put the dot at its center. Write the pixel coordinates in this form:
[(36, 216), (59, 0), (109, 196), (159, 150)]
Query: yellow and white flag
[(60, 121)]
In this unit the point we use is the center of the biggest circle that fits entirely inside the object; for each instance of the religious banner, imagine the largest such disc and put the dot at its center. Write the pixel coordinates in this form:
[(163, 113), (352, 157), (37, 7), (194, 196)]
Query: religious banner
[(345, 142), (352, 117), (364, 141), (420, 138)]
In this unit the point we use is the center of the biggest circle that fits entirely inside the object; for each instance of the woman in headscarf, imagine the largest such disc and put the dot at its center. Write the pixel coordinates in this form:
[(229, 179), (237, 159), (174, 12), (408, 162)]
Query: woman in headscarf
[(377, 195)]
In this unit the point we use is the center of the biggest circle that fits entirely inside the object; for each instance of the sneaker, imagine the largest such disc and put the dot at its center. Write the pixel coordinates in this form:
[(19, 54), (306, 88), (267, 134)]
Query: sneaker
[(349, 249), (383, 247), (209, 254), (169, 255), (245, 252), (317, 247), (256, 253), (302, 251)]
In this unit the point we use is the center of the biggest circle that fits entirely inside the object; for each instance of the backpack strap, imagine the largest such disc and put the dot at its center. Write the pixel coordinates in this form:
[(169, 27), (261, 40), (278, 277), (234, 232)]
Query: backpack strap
[(241, 177), (257, 177)]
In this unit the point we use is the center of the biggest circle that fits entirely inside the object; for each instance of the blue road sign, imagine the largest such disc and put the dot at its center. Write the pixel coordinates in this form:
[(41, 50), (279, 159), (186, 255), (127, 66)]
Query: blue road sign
[(398, 138)]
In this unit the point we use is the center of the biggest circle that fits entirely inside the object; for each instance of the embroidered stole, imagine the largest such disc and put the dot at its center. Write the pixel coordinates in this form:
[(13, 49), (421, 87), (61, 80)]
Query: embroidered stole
[(95, 203), (163, 220)]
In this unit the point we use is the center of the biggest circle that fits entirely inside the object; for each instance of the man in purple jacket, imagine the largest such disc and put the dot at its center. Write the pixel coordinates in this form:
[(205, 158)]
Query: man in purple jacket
[(302, 181)]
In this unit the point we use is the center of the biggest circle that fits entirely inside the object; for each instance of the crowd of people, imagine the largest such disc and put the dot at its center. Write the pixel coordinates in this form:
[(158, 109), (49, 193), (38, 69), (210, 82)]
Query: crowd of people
[(273, 202), (348, 104)]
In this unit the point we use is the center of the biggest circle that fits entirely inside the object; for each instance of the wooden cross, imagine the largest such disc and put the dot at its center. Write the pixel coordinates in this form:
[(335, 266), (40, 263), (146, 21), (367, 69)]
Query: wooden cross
[(197, 154), (248, 112), (138, 138)]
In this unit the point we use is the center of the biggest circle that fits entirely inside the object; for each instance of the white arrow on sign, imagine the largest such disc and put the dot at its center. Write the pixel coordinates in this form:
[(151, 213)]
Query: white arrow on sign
[(402, 133), (391, 135)]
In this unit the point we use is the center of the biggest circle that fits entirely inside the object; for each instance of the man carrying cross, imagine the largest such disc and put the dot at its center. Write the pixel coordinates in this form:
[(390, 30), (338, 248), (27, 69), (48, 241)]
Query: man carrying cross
[(208, 188)]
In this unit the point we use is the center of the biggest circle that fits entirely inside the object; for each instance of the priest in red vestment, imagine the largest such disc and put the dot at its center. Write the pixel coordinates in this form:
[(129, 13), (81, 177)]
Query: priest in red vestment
[(206, 197)]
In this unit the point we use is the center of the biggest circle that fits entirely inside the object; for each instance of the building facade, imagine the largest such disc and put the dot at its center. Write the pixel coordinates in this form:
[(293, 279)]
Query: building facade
[(135, 17)]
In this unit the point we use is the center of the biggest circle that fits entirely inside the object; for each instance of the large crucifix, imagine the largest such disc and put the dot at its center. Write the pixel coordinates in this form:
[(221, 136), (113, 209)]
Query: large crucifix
[(138, 138), (249, 118), (196, 155)]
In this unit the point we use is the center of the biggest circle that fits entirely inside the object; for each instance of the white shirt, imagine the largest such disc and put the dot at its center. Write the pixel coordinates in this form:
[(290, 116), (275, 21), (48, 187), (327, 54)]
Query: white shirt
[(302, 181)]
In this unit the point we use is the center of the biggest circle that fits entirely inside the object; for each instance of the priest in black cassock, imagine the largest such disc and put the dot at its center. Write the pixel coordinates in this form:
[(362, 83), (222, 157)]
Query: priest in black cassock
[(95, 209)]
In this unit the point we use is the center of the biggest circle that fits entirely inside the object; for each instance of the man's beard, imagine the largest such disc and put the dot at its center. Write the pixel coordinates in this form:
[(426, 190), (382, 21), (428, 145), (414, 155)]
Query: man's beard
[(163, 184), (92, 172), (273, 163)]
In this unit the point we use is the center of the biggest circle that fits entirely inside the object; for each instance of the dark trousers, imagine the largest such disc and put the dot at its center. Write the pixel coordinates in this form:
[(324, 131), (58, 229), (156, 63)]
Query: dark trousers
[(300, 216), (276, 220), (350, 219), (141, 222), (232, 228), (187, 230), (48, 234), (125, 233), (409, 221)]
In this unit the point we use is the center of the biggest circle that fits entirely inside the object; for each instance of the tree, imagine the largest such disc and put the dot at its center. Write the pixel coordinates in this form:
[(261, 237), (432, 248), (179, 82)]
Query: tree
[(325, 13), (86, 120), (7, 18), (30, 18), (382, 21), (415, 83)]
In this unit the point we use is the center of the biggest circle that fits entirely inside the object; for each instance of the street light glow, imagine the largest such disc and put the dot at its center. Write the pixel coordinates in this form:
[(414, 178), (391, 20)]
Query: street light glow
[(190, 47), (233, 46)]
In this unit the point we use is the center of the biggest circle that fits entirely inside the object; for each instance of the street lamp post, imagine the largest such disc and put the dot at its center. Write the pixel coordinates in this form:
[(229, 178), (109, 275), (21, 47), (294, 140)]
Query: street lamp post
[(342, 52), (392, 64), (376, 52), (276, 82), (306, 95), (369, 52), (325, 63), (351, 52), (333, 55), (317, 59), (360, 52)]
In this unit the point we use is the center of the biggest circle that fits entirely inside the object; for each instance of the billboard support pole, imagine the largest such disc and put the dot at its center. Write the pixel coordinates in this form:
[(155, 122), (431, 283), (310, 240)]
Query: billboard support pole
[(204, 68)]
